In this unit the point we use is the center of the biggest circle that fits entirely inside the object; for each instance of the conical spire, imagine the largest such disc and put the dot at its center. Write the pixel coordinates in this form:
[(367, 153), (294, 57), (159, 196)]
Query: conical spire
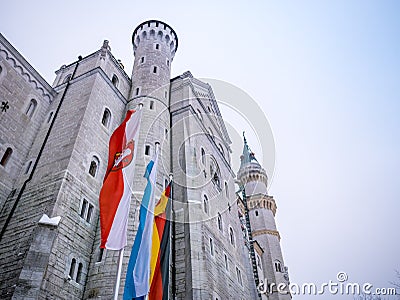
[(247, 155)]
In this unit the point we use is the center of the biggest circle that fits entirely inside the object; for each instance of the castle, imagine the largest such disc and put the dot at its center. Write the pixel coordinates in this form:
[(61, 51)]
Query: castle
[(54, 149)]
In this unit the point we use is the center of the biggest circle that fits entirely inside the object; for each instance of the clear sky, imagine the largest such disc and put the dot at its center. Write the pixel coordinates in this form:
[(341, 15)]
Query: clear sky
[(325, 73)]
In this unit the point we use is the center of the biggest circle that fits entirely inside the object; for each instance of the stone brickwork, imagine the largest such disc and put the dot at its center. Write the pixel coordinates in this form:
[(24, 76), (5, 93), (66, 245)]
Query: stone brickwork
[(204, 193), (59, 158)]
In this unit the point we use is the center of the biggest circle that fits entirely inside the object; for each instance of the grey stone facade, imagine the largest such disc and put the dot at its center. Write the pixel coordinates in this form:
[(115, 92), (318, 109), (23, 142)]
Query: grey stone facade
[(58, 136)]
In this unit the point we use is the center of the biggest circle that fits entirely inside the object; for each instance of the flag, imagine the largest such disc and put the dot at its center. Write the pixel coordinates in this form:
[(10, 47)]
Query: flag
[(115, 194), (159, 275), (137, 283)]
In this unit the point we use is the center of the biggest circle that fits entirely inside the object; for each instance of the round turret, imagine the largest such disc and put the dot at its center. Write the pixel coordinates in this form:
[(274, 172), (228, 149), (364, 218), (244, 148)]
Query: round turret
[(154, 45)]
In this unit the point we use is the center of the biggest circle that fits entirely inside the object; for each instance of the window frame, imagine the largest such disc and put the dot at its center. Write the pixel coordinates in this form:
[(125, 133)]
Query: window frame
[(5, 159), (95, 159)]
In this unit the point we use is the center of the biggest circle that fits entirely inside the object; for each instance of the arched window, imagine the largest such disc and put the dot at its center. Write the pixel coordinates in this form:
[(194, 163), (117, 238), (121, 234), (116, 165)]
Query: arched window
[(219, 220), (67, 78), (115, 80), (72, 268), (231, 236), (226, 262), (31, 108), (94, 166), (106, 117), (211, 247), (226, 190), (6, 157), (79, 273), (203, 156), (239, 276), (205, 204)]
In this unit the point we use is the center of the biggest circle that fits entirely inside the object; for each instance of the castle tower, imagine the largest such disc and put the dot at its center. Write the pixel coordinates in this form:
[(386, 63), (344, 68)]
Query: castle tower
[(266, 238), (154, 46)]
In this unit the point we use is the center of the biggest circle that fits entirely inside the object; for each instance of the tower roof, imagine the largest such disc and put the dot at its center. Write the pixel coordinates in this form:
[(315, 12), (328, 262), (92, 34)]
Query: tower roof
[(247, 156)]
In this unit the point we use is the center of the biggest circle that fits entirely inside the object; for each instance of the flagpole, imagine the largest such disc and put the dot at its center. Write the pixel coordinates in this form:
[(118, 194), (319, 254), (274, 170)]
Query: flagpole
[(121, 256), (172, 239), (117, 282)]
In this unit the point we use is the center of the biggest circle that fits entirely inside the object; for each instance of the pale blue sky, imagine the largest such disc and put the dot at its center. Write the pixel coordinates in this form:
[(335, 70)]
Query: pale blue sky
[(325, 73)]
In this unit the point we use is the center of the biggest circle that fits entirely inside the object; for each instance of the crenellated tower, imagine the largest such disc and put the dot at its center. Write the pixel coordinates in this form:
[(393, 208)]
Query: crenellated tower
[(154, 45), (261, 209)]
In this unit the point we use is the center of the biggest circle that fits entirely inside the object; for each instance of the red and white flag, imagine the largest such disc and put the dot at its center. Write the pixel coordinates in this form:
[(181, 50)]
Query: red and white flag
[(115, 194)]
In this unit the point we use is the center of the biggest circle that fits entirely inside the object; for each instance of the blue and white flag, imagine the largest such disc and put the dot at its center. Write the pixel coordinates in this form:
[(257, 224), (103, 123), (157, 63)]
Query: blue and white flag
[(137, 284)]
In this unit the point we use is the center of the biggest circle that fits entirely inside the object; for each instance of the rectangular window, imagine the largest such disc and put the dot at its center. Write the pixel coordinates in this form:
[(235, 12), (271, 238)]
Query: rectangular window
[(89, 214), (142, 59), (152, 104), (155, 69), (147, 150), (239, 276), (83, 208), (137, 91), (157, 46), (100, 255)]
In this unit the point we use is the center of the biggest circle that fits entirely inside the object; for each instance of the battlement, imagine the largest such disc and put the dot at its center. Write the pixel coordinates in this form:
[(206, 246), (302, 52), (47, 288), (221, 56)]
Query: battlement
[(252, 172), (155, 30)]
